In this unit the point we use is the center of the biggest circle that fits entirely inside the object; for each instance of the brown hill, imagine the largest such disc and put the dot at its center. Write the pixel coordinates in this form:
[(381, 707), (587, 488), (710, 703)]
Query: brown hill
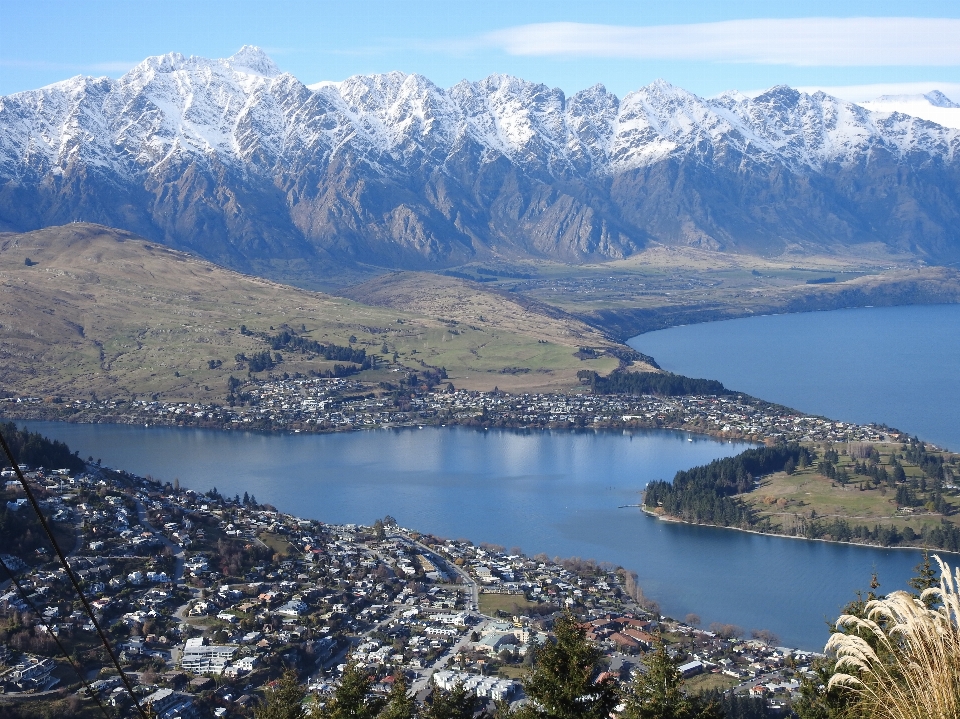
[(88, 309)]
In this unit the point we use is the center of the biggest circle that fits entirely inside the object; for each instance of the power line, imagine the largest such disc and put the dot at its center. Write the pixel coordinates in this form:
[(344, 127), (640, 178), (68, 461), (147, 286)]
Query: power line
[(63, 650), (73, 578)]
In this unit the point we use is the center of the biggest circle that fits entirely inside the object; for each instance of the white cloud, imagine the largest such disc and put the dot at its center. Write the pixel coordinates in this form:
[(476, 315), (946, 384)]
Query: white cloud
[(864, 93), (849, 42)]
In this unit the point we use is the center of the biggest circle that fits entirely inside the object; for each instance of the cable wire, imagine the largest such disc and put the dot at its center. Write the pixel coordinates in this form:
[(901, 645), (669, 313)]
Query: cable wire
[(63, 650), (73, 578)]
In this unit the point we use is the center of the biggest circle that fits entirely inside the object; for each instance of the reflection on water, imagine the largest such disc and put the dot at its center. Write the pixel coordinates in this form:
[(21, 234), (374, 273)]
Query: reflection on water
[(551, 491)]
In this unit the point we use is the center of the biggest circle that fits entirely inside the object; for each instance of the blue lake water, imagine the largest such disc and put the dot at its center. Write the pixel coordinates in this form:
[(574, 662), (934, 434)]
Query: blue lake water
[(894, 365), (558, 492)]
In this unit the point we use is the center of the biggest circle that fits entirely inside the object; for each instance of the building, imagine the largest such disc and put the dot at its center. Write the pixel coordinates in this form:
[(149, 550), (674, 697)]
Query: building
[(33, 673), (690, 668), (168, 704), (200, 658), (484, 687)]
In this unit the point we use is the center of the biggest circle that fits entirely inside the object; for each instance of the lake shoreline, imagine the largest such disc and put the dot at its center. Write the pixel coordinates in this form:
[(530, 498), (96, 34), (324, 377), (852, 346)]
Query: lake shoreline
[(896, 364), (758, 421), (677, 520)]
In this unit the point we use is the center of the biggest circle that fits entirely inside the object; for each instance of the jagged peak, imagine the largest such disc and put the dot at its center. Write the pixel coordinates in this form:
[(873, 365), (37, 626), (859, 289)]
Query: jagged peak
[(664, 87), (170, 62), (598, 90), (779, 93), (253, 59), (501, 80), (76, 83)]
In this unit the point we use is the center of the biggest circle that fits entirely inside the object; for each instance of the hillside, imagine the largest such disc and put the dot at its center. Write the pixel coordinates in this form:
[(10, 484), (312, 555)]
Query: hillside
[(243, 164), (101, 311)]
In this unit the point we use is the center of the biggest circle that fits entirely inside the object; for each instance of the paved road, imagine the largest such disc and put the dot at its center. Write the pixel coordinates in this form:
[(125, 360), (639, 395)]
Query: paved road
[(467, 579), (442, 660)]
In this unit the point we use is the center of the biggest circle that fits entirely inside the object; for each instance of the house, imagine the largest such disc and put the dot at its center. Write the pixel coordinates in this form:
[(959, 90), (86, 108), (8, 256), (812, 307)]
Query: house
[(690, 668), (167, 704), (32, 672), (623, 641), (293, 608)]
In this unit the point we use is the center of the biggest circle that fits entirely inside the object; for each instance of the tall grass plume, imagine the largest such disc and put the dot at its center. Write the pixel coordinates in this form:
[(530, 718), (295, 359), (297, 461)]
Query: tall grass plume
[(902, 658)]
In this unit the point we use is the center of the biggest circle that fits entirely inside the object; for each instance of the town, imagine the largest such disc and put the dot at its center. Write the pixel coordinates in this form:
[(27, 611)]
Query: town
[(209, 599), (343, 404)]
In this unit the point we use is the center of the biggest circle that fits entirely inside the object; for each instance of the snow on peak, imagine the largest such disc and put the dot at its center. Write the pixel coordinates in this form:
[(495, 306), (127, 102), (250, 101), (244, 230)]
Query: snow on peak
[(938, 99), (253, 59), (171, 62), (242, 111), (933, 106), (934, 99)]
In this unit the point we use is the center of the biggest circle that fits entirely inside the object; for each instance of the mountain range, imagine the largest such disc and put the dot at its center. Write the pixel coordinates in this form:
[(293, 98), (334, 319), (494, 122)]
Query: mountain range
[(247, 166)]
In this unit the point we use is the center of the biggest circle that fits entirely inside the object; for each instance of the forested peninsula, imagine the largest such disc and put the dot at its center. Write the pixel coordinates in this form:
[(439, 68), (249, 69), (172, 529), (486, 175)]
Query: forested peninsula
[(902, 496)]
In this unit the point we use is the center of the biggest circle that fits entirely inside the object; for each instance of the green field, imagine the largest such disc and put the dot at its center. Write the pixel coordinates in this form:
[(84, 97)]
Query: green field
[(789, 499), (490, 604), (707, 682)]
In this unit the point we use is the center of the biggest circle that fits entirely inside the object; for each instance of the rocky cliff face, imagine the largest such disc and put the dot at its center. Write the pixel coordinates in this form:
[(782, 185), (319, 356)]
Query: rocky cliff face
[(247, 166)]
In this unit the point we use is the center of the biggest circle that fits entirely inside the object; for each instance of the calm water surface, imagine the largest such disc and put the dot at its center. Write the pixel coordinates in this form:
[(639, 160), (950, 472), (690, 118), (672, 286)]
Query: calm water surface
[(894, 365), (554, 492)]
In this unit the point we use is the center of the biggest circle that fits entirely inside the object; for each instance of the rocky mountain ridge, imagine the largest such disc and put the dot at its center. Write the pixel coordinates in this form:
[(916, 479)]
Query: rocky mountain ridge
[(245, 165)]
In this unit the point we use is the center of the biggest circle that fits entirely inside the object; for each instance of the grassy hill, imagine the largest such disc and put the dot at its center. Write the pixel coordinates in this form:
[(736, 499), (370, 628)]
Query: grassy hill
[(88, 309), (860, 496)]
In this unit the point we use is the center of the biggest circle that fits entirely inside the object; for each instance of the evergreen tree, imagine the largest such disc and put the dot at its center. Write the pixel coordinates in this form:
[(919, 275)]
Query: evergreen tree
[(284, 701), (562, 684), (457, 703), (352, 699), (658, 693), (926, 578), (400, 705)]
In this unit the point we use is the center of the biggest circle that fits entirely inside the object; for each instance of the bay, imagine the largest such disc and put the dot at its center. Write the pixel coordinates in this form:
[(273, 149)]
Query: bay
[(559, 492), (898, 366)]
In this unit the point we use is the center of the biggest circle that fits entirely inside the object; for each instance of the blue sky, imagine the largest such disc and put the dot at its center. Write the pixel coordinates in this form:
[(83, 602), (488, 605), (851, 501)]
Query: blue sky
[(705, 47)]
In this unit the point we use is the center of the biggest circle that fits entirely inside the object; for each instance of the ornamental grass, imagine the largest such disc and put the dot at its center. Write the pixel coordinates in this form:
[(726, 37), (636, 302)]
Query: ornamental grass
[(901, 659)]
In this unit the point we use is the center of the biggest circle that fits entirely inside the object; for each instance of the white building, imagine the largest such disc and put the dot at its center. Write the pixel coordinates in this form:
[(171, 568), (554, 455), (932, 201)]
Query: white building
[(200, 658)]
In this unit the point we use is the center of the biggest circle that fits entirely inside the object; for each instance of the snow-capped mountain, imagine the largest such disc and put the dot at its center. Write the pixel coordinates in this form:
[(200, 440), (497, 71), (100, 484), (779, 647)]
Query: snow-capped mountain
[(933, 106), (248, 166)]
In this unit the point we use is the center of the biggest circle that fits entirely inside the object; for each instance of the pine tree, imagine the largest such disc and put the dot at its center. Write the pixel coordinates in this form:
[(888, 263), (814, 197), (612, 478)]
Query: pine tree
[(352, 699), (457, 703), (400, 705), (284, 701), (926, 578), (658, 693), (561, 684)]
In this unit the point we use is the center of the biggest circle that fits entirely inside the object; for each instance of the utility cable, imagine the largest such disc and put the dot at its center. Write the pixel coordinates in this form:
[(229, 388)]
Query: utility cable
[(63, 650), (73, 578)]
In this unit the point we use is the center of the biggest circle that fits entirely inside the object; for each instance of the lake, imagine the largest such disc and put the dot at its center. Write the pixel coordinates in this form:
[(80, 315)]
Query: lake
[(559, 492), (894, 365)]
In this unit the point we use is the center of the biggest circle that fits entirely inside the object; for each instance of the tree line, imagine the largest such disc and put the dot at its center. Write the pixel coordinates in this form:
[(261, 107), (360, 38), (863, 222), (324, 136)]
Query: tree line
[(661, 384), (567, 681), (290, 340), (34, 449), (705, 494)]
